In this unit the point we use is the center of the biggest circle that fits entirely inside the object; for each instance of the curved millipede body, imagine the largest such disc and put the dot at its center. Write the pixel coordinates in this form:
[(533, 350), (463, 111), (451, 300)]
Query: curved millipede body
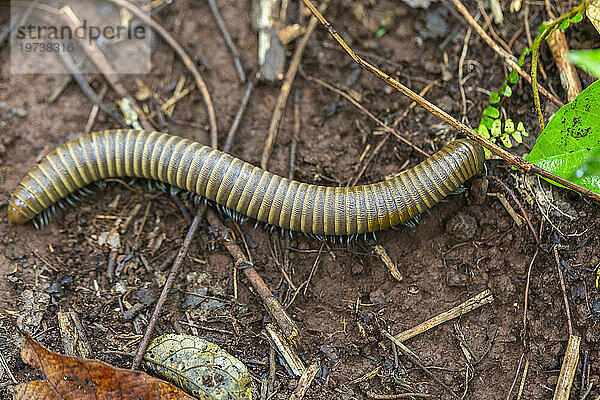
[(242, 187)]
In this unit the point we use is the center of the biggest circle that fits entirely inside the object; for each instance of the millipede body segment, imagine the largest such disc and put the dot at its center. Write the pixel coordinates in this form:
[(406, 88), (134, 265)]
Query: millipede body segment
[(242, 187)]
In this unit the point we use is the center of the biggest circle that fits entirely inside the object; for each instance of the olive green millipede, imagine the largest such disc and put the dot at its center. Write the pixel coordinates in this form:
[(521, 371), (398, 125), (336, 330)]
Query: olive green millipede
[(239, 186)]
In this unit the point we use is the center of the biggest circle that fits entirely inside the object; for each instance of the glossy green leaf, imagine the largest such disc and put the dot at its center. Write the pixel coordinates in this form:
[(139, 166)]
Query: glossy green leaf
[(491, 112), (494, 98), (506, 141), (483, 131), (199, 367), (509, 126), (588, 60), (507, 92), (590, 166), (487, 121), (521, 128), (570, 138), (517, 136), (496, 130)]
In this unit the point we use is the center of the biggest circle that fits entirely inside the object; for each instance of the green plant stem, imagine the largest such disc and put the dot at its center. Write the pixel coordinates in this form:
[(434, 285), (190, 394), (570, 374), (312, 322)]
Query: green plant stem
[(432, 108), (534, 57)]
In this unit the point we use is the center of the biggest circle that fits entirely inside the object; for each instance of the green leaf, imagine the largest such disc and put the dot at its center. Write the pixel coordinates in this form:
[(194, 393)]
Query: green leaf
[(541, 28), (513, 77), (491, 112), (509, 126), (570, 138), (517, 136), (494, 98), (380, 33), (507, 92), (565, 24), (577, 18), (506, 141), (487, 121), (590, 166), (588, 60), (521, 128), (483, 131), (496, 128)]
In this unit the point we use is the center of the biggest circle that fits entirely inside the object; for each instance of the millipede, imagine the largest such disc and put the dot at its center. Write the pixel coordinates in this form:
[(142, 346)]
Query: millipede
[(239, 187)]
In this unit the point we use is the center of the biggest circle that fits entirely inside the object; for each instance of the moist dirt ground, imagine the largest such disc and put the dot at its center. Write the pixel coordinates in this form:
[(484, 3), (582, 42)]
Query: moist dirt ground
[(464, 246)]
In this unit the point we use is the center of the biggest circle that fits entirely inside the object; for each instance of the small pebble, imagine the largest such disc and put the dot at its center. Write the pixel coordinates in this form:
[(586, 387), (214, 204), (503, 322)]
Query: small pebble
[(18, 112), (377, 297), (146, 296)]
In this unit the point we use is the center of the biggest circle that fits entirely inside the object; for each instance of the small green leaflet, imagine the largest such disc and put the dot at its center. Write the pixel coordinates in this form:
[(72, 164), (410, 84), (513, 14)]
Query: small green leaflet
[(571, 139), (588, 60)]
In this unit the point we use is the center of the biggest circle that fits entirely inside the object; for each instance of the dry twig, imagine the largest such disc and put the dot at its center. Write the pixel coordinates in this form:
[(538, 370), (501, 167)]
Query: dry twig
[(228, 40), (473, 303), (167, 287), (564, 290), (568, 369), (289, 354), (285, 323), (304, 382), (240, 113), (107, 70)]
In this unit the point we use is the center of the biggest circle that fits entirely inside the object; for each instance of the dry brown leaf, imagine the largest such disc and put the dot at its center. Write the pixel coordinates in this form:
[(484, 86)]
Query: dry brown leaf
[(82, 379)]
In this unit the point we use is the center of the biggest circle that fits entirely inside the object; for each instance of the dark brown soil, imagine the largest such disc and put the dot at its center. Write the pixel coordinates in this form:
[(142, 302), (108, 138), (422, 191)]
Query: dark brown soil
[(461, 248)]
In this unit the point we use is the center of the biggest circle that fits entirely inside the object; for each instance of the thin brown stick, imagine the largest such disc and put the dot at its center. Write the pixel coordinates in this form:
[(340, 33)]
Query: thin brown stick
[(526, 301), (286, 87), (286, 324), (509, 395), (568, 369), (367, 113), (314, 268), (107, 70), (469, 305), (94, 111), (516, 200), (557, 41), (534, 57), (187, 61), (501, 52), (168, 285), (412, 356), (523, 378), (240, 113), (564, 290), (228, 40), (413, 104), (304, 382), (295, 136), (461, 84), (508, 157)]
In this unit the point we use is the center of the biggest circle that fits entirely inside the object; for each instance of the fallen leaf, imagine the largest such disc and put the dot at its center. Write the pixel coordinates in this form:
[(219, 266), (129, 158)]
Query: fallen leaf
[(200, 367), (69, 378)]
